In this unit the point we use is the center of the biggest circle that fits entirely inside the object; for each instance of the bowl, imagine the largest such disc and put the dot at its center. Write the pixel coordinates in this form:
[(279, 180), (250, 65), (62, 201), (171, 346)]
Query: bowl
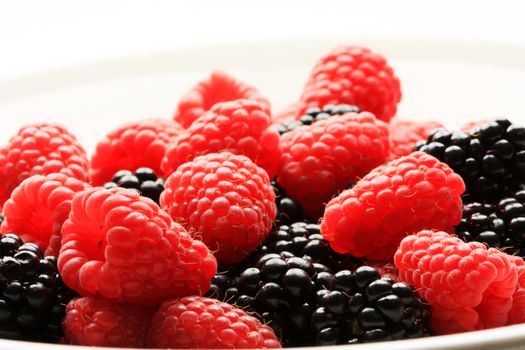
[(450, 81)]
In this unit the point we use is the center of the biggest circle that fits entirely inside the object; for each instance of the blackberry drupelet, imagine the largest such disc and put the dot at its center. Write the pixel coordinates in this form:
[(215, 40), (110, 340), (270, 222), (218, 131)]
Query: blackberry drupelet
[(33, 297), (304, 239), (489, 158), (288, 210), (315, 114), (500, 225), (306, 304), (144, 180)]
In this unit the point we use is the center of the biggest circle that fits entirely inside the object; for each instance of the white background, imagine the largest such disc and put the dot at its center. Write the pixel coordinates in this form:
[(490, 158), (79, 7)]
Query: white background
[(38, 35)]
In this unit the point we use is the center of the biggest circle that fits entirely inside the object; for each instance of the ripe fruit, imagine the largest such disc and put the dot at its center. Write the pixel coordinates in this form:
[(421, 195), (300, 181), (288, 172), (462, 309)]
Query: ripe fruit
[(224, 198), (144, 180)]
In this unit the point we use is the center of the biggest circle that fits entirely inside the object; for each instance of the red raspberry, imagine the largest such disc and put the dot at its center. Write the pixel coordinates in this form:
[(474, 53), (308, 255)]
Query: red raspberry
[(224, 198), (468, 285), (404, 135), (407, 195), (241, 127), (356, 76), (97, 322), (326, 157), (131, 146), (219, 87), (40, 149), (121, 246), (517, 313), (38, 207), (202, 323)]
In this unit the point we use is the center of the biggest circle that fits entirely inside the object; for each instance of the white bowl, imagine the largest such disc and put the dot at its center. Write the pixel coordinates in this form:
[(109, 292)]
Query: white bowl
[(452, 82)]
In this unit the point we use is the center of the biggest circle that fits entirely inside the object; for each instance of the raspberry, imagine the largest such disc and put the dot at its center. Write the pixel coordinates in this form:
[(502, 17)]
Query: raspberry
[(490, 158), (356, 76), (224, 198), (33, 294), (468, 285), (97, 322), (407, 195), (196, 322), (219, 87), (404, 134), (131, 146), (38, 207), (121, 246), (40, 149), (241, 127), (322, 159)]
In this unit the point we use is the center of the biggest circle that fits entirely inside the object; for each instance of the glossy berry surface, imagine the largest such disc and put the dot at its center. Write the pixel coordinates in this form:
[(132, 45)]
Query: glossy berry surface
[(144, 180), (490, 158), (288, 209), (306, 304), (314, 114), (500, 225), (32, 295)]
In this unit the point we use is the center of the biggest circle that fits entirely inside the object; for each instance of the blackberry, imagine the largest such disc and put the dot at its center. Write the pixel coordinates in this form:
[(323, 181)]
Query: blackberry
[(144, 180), (33, 297), (500, 225), (304, 239), (364, 307), (288, 210), (489, 158), (306, 304), (314, 114)]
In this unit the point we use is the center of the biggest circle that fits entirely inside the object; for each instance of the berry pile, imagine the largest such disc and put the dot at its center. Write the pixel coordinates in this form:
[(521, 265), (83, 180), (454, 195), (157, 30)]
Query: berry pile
[(232, 226)]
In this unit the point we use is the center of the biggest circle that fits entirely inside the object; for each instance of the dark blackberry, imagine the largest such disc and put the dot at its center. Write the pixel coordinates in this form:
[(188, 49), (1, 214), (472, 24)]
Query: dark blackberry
[(489, 158), (288, 210), (33, 297), (306, 304), (362, 307), (315, 114), (305, 239), (144, 180), (500, 225)]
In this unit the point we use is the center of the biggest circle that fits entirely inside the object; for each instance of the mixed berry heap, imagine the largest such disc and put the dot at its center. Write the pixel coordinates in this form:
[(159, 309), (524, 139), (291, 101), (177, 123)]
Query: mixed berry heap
[(33, 297), (499, 225), (490, 158), (144, 180), (314, 114), (331, 229)]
